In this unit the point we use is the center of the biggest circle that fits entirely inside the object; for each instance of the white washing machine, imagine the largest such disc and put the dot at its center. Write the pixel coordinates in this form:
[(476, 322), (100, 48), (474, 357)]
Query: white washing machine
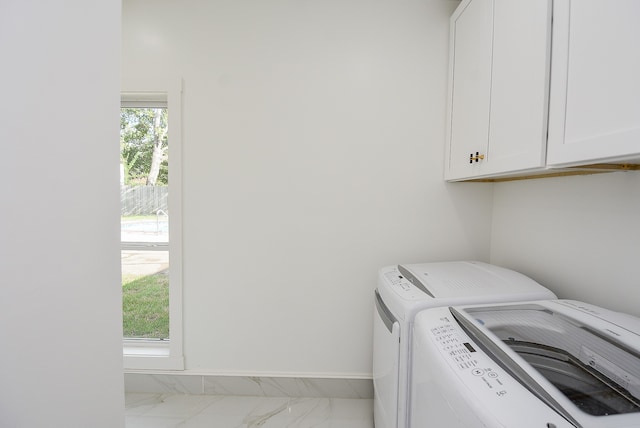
[(402, 292), (545, 364)]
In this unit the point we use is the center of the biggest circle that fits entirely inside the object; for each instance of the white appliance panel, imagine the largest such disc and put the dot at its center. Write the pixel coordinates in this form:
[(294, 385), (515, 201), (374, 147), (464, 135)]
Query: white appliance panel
[(386, 330)]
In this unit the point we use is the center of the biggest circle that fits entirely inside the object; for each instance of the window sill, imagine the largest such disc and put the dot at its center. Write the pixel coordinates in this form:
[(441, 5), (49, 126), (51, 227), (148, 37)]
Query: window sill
[(150, 355)]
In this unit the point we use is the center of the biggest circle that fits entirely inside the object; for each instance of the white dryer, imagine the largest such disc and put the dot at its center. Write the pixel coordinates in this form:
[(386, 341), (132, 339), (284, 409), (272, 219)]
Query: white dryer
[(405, 290), (545, 364)]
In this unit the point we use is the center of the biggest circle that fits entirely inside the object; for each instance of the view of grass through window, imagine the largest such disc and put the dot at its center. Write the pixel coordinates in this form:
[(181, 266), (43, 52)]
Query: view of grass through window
[(145, 222), (145, 304)]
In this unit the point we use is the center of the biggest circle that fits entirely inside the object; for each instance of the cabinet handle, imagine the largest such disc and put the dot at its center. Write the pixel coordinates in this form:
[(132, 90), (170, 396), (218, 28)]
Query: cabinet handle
[(476, 158)]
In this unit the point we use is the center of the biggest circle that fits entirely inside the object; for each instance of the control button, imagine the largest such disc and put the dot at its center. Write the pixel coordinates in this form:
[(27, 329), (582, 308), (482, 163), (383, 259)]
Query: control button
[(493, 375), (477, 372)]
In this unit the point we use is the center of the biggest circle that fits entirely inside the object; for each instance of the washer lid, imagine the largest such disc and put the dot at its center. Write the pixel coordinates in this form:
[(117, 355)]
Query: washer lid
[(464, 278), (594, 363)]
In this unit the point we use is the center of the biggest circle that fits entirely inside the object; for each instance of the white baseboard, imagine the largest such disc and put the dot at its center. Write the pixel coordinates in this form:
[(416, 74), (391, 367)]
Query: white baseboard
[(267, 386)]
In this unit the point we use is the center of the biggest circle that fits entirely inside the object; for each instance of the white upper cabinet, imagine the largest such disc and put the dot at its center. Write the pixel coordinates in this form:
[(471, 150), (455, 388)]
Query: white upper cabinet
[(498, 93), (529, 93), (595, 82), (470, 93)]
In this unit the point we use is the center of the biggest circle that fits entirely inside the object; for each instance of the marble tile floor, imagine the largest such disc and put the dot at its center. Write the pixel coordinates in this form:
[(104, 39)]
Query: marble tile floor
[(158, 410)]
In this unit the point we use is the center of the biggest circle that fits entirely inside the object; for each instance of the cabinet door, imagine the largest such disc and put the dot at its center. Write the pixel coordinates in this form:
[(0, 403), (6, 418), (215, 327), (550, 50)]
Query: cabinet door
[(519, 86), (499, 87), (595, 82), (469, 98)]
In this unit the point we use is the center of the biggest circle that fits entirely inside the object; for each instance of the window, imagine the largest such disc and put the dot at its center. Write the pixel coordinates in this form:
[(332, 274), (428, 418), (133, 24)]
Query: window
[(150, 180)]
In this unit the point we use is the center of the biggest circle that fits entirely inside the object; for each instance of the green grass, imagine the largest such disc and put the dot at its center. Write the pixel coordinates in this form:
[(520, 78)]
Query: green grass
[(145, 306)]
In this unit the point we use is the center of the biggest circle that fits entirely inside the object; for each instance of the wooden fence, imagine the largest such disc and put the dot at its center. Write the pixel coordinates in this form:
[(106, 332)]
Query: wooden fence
[(143, 200)]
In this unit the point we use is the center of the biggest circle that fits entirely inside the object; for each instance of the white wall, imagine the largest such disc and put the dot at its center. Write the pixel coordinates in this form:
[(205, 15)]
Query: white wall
[(313, 148), (60, 316), (577, 235)]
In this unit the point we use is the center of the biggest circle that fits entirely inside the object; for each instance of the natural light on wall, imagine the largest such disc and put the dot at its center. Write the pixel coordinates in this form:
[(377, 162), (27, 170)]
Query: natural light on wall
[(151, 238)]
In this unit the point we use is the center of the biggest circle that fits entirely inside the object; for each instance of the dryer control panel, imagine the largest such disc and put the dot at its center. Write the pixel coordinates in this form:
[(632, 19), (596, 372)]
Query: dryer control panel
[(401, 286)]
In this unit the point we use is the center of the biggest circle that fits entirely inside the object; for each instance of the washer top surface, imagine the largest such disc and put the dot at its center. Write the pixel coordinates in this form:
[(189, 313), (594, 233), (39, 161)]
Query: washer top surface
[(407, 289)]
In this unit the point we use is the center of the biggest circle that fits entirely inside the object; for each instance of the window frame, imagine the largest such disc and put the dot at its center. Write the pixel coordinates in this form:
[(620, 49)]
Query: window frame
[(155, 354)]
